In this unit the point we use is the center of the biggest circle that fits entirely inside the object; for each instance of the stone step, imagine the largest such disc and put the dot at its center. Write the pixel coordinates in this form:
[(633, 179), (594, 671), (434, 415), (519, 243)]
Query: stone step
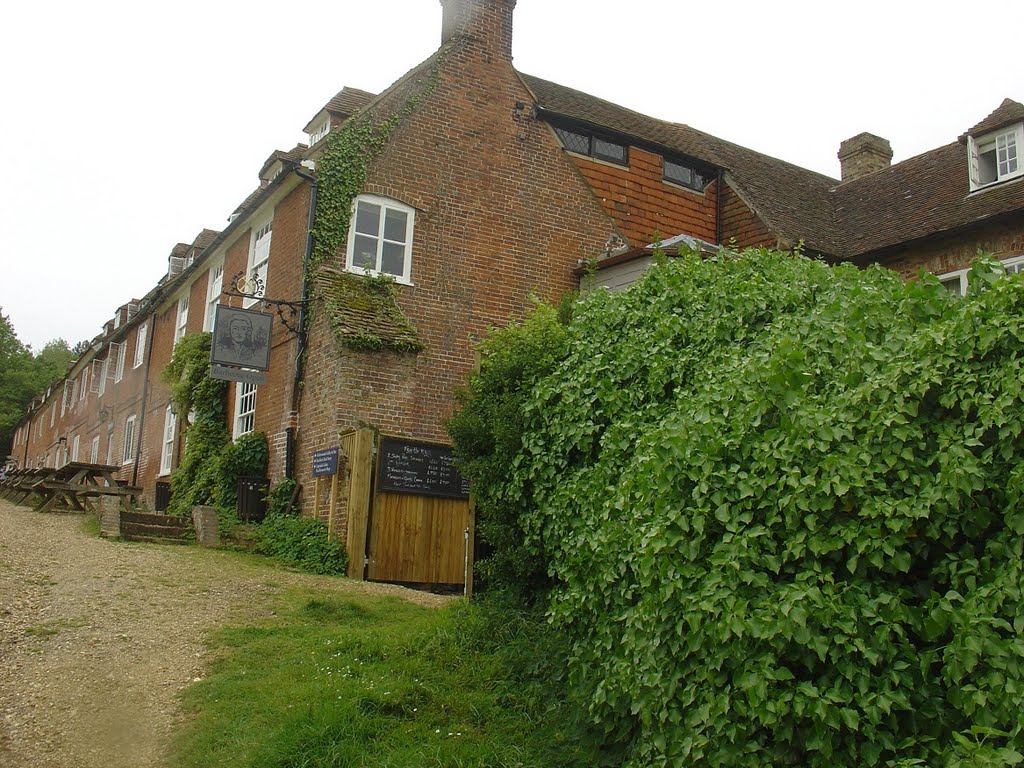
[(153, 539), (149, 518), (177, 531)]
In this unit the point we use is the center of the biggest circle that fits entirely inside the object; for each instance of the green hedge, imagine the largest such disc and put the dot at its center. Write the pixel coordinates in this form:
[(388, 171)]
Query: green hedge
[(781, 506), (301, 542)]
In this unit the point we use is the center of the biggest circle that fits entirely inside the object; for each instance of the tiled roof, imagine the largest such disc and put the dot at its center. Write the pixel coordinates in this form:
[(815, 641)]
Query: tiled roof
[(922, 196), (1008, 112), (294, 155), (364, 314), (916, 198), (348, 101), (204, 238), (345, 103), (792, 201)]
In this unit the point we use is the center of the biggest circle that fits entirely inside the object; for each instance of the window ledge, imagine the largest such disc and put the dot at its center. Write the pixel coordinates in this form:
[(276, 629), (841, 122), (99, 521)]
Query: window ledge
[(372, 273), (597, 160), (996, 184)]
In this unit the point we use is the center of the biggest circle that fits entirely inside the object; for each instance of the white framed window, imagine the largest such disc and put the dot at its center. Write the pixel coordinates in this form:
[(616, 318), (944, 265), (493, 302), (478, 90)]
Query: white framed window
[(259, 259), (181, 327), (214, 286), (380, 238), (128, 447), (94, 450), (140, 345), (53, 413), (76, 443), (167, 454), (996, 156), (119, 350), (83, 391), (245, 408), (956, 282), (110, 443), (101, 385), (320, 131)]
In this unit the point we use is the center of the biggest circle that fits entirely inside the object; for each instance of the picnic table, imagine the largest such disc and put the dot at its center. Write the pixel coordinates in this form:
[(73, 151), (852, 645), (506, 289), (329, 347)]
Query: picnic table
[(17, 486), (74, 484)]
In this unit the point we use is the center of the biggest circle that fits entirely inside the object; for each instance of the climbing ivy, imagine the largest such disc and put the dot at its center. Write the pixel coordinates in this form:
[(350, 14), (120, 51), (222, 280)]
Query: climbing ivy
[(349, 150), (341, 176), (211, 463), (194, 394)]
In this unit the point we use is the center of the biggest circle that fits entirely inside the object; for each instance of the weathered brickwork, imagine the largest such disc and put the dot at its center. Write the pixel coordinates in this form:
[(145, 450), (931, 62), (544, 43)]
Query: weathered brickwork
[(501, 213), (950, 253)]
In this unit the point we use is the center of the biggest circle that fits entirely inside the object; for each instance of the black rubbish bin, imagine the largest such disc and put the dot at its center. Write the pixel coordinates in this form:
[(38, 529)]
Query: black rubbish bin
[(252, 499)]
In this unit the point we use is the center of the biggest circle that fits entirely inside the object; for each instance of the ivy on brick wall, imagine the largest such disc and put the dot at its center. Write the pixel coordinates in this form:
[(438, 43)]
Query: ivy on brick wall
[(341, 176), (211, 463)]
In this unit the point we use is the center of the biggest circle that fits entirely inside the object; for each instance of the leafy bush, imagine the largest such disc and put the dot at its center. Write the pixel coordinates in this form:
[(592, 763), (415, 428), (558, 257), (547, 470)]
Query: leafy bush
[(487, 433), (781, 504), (301, 542), (279, 495)]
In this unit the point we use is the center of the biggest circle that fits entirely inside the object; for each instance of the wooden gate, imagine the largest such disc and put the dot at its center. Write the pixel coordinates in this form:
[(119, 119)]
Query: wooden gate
[(417, 529), (419, 539)]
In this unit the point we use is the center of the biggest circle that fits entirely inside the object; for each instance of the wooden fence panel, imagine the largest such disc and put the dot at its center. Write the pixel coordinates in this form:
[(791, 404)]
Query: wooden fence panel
[(418, 539)]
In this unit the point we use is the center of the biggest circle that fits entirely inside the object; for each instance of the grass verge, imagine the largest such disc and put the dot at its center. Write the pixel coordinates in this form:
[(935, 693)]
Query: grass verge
[(370, 682)]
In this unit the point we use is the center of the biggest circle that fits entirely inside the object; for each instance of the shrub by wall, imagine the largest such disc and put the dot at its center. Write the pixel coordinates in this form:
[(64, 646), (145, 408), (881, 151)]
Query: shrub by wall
[(781, 506)]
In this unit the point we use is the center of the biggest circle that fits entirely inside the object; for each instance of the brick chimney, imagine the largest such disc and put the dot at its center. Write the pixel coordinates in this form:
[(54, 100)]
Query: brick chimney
[(487, 21), (863, 154)]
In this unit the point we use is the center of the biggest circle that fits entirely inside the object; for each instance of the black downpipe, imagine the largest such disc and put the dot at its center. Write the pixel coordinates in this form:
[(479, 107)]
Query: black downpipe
[(300, 352)]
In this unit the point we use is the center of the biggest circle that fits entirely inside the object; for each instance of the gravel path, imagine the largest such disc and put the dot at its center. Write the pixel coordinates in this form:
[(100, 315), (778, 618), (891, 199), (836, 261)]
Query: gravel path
[(98, 637)]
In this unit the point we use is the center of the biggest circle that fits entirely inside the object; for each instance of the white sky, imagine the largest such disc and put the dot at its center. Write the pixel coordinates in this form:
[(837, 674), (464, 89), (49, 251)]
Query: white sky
[(131, 126)]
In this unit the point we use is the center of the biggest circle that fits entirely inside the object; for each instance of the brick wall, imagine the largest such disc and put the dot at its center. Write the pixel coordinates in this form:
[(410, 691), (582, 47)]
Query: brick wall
[(501, 212), (948, 254)]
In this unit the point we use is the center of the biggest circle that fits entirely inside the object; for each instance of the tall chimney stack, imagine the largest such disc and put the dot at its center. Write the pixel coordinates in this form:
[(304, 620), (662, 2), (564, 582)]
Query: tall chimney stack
[(863, 154), (487, 21)]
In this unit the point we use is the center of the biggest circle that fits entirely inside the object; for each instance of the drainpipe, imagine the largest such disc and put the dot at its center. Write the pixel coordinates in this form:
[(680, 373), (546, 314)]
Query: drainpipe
[(145, 395), (300, 352)]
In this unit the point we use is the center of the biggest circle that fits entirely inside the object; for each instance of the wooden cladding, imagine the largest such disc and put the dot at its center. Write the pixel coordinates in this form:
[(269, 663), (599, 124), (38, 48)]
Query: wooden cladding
[(418, 539)]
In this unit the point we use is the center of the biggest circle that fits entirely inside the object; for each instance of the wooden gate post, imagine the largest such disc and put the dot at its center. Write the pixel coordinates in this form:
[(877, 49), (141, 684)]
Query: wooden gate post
[(360, 454)]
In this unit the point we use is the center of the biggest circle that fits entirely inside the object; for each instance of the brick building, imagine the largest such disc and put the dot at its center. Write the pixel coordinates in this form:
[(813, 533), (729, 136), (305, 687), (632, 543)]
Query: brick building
[(492, 185)]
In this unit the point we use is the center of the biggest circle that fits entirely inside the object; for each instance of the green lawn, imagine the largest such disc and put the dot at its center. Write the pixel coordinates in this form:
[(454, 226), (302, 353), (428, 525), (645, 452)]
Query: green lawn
[(369, 682)]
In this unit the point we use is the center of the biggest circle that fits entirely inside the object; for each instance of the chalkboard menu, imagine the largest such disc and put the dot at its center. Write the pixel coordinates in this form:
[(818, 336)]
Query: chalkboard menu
[(426, 469)]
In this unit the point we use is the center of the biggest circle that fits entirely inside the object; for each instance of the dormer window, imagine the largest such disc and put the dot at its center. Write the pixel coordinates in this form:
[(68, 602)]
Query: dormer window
[(685, 175), (320, 131), (600, 148), (995, 157)]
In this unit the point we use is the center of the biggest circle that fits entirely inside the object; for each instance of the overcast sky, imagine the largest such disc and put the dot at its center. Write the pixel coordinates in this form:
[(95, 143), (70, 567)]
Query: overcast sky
[(129, 127)]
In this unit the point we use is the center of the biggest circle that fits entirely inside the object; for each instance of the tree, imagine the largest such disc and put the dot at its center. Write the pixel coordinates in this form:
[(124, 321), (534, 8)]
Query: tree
[(51, 363), (17, 382)]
